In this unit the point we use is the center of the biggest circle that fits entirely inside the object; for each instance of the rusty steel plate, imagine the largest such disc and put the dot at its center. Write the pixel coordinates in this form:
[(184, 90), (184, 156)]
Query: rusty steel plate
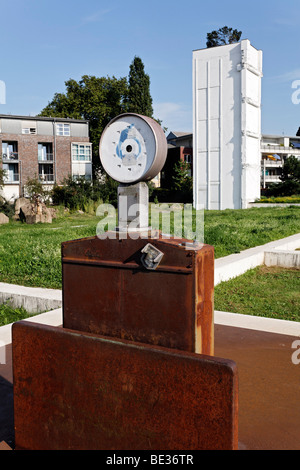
[(82, 391), (108, 291)]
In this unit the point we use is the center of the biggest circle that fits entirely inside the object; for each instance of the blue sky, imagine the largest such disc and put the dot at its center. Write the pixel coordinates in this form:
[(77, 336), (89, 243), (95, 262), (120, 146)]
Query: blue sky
[(44, 43)]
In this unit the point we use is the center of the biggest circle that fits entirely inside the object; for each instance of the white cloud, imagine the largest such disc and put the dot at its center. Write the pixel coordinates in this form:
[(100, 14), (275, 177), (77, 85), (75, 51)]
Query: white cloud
[(291, 21), (288, 76), (97, 16), (174, 116)]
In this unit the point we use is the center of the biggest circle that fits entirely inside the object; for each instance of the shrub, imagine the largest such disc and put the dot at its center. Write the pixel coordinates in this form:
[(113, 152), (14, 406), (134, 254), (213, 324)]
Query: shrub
[(82, 194), (7, 208)]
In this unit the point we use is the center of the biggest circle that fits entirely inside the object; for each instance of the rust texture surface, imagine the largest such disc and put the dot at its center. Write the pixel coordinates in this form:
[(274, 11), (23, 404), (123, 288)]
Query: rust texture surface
[(83, 391), (107, 291)]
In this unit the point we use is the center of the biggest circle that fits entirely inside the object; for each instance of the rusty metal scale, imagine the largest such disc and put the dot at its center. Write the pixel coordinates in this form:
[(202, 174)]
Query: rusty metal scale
[(133, 363)]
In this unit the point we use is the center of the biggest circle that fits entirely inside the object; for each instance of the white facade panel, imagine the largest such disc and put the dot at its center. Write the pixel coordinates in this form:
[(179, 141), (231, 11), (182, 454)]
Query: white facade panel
[(202, 168), (215, 103), (214, 128), (201, 74), (202, 104), (227, 125), (82, 169), (10, 192)]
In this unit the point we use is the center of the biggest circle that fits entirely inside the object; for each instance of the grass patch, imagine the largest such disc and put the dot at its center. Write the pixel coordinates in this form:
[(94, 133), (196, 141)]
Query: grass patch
[(9, 314), (280, 200), (233, 231), (30, 255), (266, 292)]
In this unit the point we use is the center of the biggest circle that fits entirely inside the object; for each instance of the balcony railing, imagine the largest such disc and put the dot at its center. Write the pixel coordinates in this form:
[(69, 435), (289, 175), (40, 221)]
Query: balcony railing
[(46, 178), (12, 156), (12, 178), (271, 178), (48, 157), (272, 163), (278, 149)]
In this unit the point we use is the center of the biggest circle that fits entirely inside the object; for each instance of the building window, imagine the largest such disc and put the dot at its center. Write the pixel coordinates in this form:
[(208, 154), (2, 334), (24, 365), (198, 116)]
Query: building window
[(29, 130), (9, 151), (188, 158), (78, 177), (81, 152), (46, 174), (11, 173), (45, 153), (63, 129)]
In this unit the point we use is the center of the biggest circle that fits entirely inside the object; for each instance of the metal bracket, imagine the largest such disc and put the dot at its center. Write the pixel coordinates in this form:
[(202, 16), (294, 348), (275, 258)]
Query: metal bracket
[(151, 257)]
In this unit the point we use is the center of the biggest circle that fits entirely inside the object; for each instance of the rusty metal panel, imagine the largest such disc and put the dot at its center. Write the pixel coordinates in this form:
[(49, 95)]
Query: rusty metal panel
[(108, 291), (82, 391)]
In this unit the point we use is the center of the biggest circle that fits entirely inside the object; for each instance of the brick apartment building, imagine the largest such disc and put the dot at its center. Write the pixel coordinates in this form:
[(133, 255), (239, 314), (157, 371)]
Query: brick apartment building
[(50, 149)]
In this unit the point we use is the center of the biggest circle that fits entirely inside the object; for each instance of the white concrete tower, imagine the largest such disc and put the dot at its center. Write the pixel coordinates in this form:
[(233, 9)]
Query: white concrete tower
[(227, 126)]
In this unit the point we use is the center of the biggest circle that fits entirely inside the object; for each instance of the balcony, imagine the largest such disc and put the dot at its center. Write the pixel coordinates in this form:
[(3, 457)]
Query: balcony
[(271, 178), (12, 156), (48, 157), (11, 178), (46, 179), (278, 149), (271, 164)]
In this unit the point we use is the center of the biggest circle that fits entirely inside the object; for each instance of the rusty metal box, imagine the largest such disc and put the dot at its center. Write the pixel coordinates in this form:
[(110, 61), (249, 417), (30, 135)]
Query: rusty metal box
[(108, 291)]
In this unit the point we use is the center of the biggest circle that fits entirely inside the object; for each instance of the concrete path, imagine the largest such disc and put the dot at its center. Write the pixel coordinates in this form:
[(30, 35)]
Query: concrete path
[(234, 265)]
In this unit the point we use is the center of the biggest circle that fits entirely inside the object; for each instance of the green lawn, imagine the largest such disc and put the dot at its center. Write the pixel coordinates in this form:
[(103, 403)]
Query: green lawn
[(30, 255), (265, 292)]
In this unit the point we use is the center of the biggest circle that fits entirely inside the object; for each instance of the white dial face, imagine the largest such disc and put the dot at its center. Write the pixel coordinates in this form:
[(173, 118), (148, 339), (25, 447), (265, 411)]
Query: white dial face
[(127, 149)]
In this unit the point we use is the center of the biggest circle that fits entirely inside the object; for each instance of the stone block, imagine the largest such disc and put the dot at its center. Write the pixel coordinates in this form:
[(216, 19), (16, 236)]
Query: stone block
[(3, 219)]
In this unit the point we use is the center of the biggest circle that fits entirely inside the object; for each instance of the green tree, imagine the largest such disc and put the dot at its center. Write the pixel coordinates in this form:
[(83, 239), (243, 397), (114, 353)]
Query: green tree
[(97, 100), (35, 190), (223, 36), (139, 97), (290, 179), (291, 169), (181, 181), (2, 175)]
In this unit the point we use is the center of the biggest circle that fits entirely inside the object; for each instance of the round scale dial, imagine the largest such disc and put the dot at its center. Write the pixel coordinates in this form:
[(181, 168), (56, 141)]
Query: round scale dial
[(133, 148)]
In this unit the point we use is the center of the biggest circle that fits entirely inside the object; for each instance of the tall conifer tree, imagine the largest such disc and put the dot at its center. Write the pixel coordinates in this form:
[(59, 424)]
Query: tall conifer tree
[(139, 97)]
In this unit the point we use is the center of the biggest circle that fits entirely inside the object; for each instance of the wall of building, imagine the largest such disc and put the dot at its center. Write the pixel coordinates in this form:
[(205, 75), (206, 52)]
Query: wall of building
[(11, 130), (226, 126)]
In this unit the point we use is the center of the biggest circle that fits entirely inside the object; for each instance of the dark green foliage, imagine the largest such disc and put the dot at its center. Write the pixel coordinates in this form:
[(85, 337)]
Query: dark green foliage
[(100, 99), (77, 194), (6, 208), (2, 175), (36, 190), (97, 100), (291, 169), (181, 179), (139, 97), (290, 179), (223, 36)]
